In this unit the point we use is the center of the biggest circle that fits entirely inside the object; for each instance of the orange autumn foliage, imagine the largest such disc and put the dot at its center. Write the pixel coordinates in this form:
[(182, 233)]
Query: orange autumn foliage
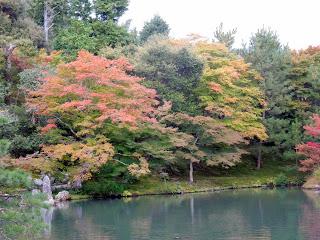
[(92, 83), (76, 99)]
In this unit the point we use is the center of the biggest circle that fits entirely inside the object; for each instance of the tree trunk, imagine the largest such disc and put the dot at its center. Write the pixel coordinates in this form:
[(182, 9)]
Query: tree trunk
[(46, 24), (259, 157), (7, 51), (48, 16), (259, 160), (190, 172), (7, 54)]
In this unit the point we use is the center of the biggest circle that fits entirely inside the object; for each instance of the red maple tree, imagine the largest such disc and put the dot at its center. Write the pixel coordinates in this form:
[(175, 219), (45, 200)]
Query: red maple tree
[(98, 87), (311, 150)]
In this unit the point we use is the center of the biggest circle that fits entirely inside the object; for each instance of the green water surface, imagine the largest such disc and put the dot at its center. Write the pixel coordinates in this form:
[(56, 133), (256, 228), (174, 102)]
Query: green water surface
[(278, 214)]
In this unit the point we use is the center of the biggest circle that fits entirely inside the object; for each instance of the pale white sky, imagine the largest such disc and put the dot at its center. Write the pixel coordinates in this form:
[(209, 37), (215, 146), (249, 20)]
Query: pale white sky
[(296, 21)]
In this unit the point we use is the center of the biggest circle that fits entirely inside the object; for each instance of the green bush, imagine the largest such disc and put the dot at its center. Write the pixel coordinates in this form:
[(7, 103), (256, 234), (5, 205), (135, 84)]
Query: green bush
[(111, 180), (14, 179), (281, 179), (4, 147), (21, 145), (103, 188)]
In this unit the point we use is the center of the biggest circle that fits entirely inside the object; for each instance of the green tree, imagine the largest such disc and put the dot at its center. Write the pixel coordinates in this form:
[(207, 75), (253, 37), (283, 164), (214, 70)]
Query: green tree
[(155, 26), (52, 15), (273, 61), (90, 36), (92, 26), (110, 10), (229, 91), (77, 36), (16, 29), (203, 139), (225, 37), (80, 9), (173, 69), (18, 37)]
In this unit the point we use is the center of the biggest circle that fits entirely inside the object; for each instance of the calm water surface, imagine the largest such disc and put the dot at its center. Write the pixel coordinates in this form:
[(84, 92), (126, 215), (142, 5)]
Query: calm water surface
[(231, 215)]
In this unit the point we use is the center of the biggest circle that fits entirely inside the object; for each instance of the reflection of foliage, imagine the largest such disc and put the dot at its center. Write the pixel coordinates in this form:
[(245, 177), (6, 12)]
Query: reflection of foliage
[(309, 221), (242, 214), (20, 218), (19, 213)]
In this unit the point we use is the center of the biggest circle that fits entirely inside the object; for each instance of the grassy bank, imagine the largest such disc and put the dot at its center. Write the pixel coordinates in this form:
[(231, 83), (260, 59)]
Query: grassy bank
[(243, 176)]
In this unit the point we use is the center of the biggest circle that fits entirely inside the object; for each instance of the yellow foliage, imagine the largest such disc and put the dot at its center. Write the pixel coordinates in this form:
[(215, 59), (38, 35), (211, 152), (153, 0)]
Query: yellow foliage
[(78, 159), (139, 170), (230, 91)]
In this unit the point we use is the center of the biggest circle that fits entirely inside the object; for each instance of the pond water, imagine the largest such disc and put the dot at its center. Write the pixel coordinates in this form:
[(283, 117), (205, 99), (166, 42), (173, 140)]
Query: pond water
[(232, 215)]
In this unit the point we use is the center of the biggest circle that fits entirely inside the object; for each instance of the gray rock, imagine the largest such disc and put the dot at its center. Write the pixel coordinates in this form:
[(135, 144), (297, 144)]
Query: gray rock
[(38, 182), (77, 184), (46, 188), (62, 196), (35, 192)]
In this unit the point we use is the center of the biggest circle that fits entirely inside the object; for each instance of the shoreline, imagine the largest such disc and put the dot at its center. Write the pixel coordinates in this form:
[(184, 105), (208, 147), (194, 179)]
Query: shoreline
[(77, 197)]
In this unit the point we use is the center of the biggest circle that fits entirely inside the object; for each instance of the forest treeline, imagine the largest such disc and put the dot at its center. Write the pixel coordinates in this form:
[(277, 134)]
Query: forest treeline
[(99, 105)]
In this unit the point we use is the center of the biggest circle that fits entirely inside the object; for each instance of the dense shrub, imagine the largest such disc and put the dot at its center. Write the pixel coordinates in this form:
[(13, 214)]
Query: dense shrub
[(111, 180), (14, 179), (104, 187), (21, 145), (281, 180)]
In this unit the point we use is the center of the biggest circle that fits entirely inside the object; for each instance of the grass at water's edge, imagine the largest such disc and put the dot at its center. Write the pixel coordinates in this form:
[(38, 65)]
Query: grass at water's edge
[(245, 175), (153, 185)]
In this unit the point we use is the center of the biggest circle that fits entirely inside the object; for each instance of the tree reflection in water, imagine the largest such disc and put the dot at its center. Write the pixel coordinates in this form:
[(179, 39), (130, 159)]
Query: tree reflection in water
[(243, 214), (310, 220)]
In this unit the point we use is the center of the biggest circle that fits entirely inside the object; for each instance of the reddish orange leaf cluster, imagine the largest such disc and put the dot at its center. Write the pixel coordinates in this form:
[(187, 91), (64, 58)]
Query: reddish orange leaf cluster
[(216, 87), (311, 150), (92, 83)]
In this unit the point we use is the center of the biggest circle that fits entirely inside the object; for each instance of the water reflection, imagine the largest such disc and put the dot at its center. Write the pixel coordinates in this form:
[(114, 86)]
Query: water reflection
[(244, 214), (310, 220)]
